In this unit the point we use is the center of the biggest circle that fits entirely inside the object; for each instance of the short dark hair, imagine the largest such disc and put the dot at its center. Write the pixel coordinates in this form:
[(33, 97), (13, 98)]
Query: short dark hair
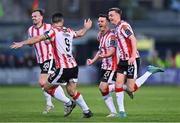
[(117, 10), (104, 15), (41, 11), (57, 17)]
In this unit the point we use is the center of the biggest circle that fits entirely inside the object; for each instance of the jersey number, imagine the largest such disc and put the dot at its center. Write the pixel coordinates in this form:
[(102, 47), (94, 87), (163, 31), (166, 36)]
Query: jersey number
[(46, 66), (107, 74), (67, 44)]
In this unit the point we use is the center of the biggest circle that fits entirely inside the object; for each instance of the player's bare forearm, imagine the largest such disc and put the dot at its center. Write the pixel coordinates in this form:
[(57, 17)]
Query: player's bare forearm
[(29, 41), (92, 61), (134, 45), (81, 32), (87, 26), (96, 57), (34, 40), (108, 54)]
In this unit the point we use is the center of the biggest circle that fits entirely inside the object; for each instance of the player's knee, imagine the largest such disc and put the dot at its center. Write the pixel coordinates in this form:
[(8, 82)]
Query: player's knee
[(119, 85), (50, 90), (71, 93), (131, 88), (102, 88), (42, 83)]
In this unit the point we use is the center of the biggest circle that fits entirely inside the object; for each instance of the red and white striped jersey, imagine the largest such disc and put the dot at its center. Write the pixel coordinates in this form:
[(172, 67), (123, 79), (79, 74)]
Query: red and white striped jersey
[(106, 41), (62, 44), (42, 49), (122, 31)]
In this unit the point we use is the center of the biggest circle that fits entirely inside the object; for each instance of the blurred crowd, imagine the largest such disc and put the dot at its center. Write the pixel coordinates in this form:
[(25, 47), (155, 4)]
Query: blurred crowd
[(167, 61), (12, 61), (28, 60)]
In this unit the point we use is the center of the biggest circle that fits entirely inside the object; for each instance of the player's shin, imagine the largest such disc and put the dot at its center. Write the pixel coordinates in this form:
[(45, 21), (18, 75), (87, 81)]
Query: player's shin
[(109, 103), (48, 98), (58, 93), (141, 80), (80, 101)]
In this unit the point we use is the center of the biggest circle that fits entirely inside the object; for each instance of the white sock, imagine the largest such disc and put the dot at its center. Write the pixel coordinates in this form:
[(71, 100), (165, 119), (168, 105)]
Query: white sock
[(143, 78), (111, 87), (48, 98), (109, 103), (120, 100), (59, 95), (80, 101)]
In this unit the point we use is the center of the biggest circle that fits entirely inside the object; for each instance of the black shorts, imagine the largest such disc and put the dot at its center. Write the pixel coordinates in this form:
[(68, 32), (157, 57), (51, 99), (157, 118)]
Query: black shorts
[(48, 66), (131, 71), (62, 75), (107, 76)]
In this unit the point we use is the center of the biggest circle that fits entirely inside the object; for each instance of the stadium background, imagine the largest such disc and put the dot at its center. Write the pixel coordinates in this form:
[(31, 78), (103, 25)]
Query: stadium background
[(156, 24)]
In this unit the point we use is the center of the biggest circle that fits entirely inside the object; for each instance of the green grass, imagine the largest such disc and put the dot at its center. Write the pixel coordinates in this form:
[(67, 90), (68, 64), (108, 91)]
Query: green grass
[(151, 104)]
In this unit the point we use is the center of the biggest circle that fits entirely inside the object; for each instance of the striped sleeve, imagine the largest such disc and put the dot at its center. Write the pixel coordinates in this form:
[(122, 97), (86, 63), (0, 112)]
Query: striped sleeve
[(49, 34), (126, 31)]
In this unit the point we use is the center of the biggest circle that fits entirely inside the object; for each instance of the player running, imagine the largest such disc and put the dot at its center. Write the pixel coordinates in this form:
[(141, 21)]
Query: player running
[(44, 54), (107, 52), (67, 69), (129, 60)]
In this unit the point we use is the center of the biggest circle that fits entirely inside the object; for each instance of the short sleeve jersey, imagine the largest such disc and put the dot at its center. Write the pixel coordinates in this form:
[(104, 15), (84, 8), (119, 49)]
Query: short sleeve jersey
[(62, 39)]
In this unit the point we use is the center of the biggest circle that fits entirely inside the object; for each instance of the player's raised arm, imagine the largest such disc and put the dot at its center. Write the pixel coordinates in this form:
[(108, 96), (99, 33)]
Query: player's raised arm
[(29, 41), (87, 26)]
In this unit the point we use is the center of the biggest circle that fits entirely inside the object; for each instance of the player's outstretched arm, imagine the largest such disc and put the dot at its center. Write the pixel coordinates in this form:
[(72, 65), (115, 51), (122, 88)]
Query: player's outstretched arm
[(92, 61), (29, 41), (87, 26)]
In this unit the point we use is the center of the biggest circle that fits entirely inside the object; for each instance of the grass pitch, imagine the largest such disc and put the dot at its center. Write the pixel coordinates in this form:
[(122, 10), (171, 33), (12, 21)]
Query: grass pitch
[(151, 104)]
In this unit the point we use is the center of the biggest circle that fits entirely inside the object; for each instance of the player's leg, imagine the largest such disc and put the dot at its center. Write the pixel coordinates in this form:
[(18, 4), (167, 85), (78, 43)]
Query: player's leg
[(132, 72), (49, 104), (54, 89), (46, 67), (106, 78), (120, 79), (76, 95), (133, 84), (104, 88), (150, 70), (72, 75), (111, 83), (120, 94)]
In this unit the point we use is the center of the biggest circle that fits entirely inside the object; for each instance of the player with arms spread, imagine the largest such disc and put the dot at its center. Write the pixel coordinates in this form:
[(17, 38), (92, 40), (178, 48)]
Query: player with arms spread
[(44, 54), (67, 69)]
